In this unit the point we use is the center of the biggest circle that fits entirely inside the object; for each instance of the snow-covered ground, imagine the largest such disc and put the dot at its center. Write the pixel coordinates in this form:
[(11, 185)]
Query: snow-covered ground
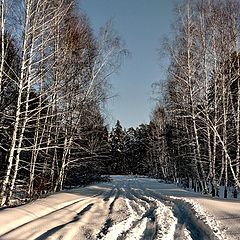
[(126, 208)]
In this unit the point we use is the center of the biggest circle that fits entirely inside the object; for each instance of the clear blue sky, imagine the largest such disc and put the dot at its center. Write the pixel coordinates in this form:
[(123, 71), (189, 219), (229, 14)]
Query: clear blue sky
[(141, 23)]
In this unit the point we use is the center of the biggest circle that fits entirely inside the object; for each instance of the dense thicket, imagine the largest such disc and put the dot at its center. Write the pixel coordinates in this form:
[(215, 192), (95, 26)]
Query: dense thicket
[(53, 81), (128, 150)]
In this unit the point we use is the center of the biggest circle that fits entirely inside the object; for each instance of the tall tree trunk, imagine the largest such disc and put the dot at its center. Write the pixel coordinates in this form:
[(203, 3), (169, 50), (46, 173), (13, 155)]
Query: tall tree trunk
[(5, 188), (2, 46)]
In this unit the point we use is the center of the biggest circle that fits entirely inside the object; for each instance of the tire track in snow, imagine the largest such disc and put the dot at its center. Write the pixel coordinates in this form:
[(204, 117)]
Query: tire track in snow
[(152, 228), (122, 218), (118, 217), (136, 228), (138, 205), (142, 228), (119, 226), (188, 226), (161, 223), (144, 223), (140, 221), (108, 223)]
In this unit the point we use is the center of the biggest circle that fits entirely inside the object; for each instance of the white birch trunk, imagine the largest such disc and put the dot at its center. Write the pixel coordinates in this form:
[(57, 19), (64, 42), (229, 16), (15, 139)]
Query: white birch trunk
[(5, 191)]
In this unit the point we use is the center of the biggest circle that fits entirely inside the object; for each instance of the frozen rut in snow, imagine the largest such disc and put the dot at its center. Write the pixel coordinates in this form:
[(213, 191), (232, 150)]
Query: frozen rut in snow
[(126, 208)]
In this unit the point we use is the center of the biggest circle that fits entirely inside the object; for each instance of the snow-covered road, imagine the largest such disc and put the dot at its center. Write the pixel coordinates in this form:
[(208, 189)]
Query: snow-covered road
[(125, 208)]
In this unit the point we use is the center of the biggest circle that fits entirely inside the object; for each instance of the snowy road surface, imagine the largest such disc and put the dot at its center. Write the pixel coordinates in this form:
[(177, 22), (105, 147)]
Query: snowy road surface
[(126, 208)]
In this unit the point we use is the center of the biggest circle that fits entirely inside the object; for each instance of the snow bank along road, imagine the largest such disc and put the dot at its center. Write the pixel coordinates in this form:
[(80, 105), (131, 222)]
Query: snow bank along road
[(126, 208)]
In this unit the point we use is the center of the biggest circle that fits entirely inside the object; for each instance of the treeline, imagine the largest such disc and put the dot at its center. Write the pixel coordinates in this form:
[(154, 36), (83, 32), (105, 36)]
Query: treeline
[(140, 150), (199, 120), (53, 83), (128, 149)]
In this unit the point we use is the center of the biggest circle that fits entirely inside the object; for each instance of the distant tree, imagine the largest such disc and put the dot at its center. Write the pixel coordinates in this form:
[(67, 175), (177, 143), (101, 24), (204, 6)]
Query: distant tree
[(116, 140)]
